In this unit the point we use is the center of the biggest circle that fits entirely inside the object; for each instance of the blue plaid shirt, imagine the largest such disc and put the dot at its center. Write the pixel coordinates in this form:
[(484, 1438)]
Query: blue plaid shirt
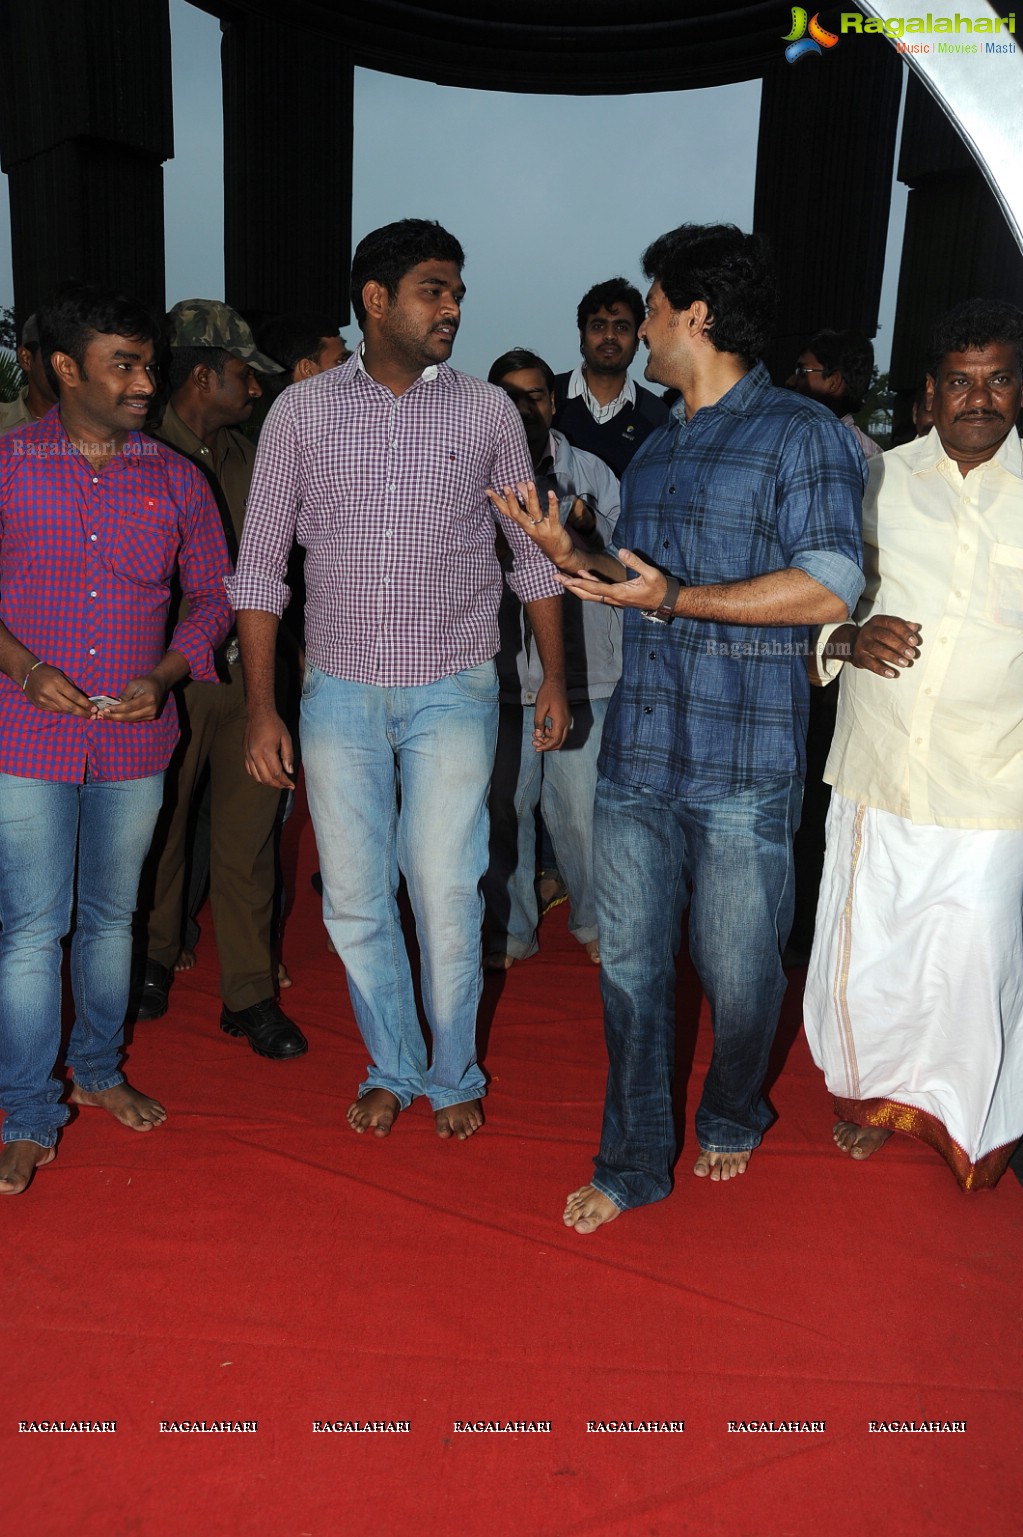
[(761, 481)]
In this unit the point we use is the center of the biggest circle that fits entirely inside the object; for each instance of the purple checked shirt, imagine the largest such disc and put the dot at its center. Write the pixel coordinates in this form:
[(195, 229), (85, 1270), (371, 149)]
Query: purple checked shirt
[(386, 496), (87, 562)]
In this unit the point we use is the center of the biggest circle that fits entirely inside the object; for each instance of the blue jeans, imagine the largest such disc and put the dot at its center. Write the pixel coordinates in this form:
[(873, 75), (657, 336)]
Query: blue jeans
[(105, 827), (563, 784), (360, 744), (732, 860)]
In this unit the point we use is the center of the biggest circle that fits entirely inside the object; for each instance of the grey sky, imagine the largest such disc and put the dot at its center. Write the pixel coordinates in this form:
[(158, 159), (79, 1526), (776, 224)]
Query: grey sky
[(547, 194)]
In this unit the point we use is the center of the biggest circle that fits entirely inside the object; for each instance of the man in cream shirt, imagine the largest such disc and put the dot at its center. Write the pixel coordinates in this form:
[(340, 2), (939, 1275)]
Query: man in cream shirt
[(914, 999)]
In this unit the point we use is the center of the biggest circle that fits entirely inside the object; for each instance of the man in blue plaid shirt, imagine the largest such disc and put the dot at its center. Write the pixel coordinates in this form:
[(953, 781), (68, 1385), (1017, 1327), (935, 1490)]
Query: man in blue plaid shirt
[(739, 532)]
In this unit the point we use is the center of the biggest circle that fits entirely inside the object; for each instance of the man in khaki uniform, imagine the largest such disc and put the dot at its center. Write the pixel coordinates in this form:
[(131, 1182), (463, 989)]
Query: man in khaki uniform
[(213, 388), (36, 398)]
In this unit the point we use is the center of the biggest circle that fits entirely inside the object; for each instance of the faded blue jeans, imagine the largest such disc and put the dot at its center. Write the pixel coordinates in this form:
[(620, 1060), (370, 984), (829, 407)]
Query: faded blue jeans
[(435, 742), (65, 845), (730, 861)]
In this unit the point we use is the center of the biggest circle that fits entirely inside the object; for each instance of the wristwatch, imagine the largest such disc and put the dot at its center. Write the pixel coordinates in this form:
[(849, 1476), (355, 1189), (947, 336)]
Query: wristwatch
[(666, 612)]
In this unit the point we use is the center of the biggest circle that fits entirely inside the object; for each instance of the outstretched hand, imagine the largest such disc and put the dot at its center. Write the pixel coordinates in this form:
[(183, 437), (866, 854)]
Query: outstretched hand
[(646, 590), (543, 525)]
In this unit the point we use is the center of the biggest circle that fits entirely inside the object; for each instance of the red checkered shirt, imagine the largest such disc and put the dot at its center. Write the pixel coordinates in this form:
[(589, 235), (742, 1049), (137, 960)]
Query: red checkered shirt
[(86, 566)]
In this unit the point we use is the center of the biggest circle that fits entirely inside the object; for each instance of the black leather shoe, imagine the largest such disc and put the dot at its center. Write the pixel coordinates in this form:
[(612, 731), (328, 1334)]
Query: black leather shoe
[(267, 1029), (153, 997)]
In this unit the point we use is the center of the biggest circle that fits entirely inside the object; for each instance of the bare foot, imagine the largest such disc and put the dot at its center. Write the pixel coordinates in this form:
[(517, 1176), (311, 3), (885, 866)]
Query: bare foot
[(592, 948), (721, 1165), (859, 1141), (125, 1104), (19, 1162), (283, 980), (376, 1111), (185, 961), (459, 1120), (498, 961), (588, 1208)]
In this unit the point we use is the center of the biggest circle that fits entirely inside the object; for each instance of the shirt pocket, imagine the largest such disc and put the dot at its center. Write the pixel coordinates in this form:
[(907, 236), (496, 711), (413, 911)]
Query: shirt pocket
[(144, 544), (1005, 584)]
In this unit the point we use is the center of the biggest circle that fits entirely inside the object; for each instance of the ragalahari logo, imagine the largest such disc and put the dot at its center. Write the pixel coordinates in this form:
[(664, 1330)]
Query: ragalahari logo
[(800, 43)]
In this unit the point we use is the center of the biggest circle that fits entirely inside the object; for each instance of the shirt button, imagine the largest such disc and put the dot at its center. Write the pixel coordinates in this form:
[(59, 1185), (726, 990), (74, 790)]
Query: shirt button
[(944, 640), (928, 691), (671, 490), (964, 547), (92, 650), (93, 538), (648, 709), (665, 544), (388, 533), (95, 480), (92, 595), (653, 656), (919, 741), (387, 581)]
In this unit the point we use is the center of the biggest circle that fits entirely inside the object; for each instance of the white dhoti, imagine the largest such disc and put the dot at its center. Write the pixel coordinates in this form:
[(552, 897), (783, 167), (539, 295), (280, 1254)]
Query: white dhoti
[(914, 995)]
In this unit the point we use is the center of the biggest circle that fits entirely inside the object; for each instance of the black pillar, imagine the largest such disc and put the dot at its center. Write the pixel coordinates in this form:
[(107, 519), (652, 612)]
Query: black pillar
[(85, 125), (957, 243), (824, 176), (288, 105)]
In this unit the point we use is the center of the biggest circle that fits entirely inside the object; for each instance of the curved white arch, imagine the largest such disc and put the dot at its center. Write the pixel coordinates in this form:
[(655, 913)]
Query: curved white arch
[(983, 96)]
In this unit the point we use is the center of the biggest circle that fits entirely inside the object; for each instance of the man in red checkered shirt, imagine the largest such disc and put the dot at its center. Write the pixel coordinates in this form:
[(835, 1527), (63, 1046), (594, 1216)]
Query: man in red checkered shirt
[(95, 519)]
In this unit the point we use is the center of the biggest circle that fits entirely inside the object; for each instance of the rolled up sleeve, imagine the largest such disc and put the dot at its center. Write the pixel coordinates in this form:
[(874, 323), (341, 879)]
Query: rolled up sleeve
[(271, 513)]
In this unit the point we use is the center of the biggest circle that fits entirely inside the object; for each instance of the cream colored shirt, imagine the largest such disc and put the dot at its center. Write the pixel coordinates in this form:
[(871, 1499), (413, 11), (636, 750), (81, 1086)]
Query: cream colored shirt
[(943, 742), (15, 413)]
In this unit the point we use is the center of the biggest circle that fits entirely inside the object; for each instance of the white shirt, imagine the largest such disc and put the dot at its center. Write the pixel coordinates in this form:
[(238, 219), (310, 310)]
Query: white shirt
[(577, 386), (943, 742)]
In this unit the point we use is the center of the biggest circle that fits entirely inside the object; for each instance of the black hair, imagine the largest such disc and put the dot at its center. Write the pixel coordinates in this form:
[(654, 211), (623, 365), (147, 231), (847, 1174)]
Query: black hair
[(974, 324), (290, 338), (730, 271), (386, 254), (78, 312), (850, 354), (603, 295), (180, 361), (515, 360)]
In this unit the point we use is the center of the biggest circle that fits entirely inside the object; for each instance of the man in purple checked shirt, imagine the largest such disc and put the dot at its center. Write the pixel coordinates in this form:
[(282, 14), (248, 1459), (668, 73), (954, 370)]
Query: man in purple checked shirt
[(380, 468), (94, 521)]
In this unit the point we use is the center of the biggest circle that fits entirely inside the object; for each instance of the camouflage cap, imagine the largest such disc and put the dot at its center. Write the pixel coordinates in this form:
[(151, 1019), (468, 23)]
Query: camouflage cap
[(209, 323)]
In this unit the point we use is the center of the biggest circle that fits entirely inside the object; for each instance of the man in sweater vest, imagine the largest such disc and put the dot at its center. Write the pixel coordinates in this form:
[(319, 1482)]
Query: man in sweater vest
[(599, 408)]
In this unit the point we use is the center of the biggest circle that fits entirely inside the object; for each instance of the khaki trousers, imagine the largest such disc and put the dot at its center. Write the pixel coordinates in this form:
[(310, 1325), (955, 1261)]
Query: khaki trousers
[(242, 817)]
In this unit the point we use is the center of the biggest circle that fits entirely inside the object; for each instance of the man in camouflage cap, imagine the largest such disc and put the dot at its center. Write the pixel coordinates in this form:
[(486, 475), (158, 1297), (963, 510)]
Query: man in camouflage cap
[(210, 323), (213, 388)]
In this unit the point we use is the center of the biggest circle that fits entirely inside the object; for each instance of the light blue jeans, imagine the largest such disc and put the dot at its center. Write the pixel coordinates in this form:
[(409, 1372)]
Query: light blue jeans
[(397, 780), (730, 861), (563, 784), (46, 829)]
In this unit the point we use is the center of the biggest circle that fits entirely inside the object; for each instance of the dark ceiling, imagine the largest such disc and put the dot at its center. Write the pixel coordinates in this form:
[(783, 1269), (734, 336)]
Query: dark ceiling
[(576, 47)]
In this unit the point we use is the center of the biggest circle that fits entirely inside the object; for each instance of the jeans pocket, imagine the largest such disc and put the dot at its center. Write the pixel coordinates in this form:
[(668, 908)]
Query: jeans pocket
[(312, 681), (478, 683)]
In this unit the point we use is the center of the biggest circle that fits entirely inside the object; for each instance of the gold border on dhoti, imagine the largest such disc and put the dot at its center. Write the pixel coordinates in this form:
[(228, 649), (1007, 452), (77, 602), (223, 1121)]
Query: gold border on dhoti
[(891, 1116)]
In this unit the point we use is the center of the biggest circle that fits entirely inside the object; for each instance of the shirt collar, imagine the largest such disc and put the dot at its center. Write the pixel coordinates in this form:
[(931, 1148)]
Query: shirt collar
[(744, 398), (927, 453), (51, 426), (577, 386), (431, 372)]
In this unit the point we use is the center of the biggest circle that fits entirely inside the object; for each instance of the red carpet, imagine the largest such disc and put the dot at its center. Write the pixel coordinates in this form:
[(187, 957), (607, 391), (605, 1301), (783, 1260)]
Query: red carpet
[(254, 1260)]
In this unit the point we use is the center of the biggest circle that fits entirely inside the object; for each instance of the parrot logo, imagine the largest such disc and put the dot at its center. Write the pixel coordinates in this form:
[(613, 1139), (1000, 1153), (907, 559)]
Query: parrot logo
[(799, 44)]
